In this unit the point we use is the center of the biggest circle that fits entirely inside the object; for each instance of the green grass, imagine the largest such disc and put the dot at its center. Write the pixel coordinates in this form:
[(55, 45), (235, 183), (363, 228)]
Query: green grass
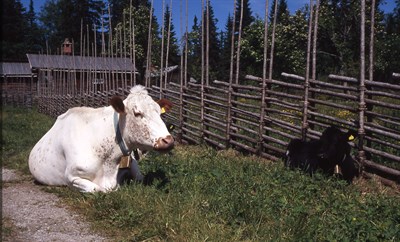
[(224, 196), (21, 129)]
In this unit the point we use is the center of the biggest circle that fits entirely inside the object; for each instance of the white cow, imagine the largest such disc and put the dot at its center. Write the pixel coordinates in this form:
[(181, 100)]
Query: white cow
[(84, 146)]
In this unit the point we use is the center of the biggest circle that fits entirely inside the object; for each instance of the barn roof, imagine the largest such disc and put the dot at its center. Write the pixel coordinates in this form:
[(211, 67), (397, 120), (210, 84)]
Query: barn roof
[(65, 62), (15, 69)]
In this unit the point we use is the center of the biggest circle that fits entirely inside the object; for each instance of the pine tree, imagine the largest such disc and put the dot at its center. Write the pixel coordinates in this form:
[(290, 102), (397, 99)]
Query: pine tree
[(117, 7), (140, 17), (194, 50), (226, 41), (34, 34), (214, 44), (173, 55), (62, 19), (283, 13), (14, 25), (248, 19)]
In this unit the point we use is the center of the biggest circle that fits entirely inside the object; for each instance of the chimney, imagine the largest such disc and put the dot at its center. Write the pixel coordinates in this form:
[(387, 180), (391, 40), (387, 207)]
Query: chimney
[(66, 47)]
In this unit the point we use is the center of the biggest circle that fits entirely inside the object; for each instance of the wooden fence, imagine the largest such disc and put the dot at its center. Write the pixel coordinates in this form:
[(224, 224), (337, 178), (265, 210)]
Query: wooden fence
[(226, 117)]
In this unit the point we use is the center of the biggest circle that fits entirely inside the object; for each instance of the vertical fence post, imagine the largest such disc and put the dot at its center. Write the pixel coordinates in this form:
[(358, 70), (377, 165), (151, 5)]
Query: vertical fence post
[(271, 54), (207, 71), (362, 105), (162, 46), (314, 63), (133, 51), (202, 108), (168, 46), (183, 71), (369, 107), (264, 84), (239, 45), (304, 126), (148, 63), (229, 99)]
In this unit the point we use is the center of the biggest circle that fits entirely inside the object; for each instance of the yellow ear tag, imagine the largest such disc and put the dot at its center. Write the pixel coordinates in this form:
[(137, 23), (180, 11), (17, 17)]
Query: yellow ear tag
[(351, 137), (162, 110)]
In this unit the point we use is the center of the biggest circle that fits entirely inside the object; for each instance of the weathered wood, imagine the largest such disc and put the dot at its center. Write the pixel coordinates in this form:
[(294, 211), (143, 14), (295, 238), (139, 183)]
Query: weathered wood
[(215, 143), (384, 128), (383, 117), (382, 132), (246, 121), (284, 95), (339, 87), (214, 120), (383, 168), (270, 157), (191, 130), (344, 78), (214, 135), (247, 114), (383, 94), (331, 118), (280, 83), (209, 101), (192, 140), (333, 104), (216, 112), (383, 84), (243, 146), (386, 182), (284, 134), (382, 142), (273, 148), (293, 76), (274, 140), (383, 104), (334, 94), (239, 104)]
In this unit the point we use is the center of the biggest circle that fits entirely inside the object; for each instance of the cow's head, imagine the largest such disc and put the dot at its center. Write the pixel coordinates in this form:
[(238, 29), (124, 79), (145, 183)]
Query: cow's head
[(140, 121), (334, 146)]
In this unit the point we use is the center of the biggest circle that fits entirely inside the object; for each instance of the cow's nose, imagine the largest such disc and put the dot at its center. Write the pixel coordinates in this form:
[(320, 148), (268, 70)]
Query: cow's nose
[(164, 144)]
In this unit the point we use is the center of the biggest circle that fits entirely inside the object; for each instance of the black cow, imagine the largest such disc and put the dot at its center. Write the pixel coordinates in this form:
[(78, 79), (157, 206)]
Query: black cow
[(330, 151)]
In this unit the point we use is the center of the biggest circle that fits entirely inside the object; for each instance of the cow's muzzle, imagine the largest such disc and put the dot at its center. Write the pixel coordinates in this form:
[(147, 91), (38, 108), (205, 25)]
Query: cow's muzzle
[(164, 144)]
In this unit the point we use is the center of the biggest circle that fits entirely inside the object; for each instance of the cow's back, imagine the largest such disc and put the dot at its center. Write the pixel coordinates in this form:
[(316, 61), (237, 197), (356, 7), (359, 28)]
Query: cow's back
[(48, 160)]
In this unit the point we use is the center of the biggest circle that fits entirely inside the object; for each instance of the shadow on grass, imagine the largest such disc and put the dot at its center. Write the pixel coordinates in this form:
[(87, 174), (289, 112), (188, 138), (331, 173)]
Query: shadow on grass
[(151, 178)]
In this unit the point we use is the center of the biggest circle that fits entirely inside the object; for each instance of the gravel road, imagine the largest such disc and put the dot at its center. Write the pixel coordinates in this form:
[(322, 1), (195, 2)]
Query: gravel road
[(30, 214)]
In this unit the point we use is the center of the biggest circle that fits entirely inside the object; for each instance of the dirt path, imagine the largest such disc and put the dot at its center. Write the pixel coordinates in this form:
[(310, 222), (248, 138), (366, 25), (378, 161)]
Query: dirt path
[(30, 214)]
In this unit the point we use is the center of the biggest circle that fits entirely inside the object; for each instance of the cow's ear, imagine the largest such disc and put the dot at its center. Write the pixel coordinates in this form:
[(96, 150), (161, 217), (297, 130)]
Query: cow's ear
[(351, 135), (118, 104), (165, 105)]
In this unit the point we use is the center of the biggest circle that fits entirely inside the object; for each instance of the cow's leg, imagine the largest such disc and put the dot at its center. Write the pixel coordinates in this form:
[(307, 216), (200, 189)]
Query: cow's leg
[(135, 170), (84, 185)]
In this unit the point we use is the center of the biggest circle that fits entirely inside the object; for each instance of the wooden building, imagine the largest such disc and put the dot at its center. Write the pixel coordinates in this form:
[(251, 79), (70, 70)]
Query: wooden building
[(72, 75), (18, 83)]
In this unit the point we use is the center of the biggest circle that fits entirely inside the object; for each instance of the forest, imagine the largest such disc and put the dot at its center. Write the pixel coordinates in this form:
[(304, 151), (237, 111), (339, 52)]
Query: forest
[(98, 28)]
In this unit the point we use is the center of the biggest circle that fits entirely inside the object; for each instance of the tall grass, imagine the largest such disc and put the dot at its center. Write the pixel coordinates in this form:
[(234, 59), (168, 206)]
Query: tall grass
[(21, 129), (200, 194)]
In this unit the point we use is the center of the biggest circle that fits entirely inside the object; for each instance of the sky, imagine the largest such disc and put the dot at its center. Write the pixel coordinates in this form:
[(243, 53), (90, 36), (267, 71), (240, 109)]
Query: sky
[(222, 8)]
